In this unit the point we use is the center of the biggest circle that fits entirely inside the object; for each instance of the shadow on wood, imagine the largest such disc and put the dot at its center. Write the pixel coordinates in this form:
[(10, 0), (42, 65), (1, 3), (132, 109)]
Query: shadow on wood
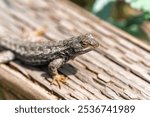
[(118, 69)]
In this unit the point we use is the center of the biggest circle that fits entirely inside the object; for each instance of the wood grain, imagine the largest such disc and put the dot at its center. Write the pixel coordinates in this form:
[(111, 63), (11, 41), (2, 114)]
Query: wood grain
[(118, 69)]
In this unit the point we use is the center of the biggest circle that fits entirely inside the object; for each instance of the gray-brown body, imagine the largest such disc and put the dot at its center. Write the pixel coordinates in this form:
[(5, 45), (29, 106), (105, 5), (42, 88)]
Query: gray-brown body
[(40, 53)]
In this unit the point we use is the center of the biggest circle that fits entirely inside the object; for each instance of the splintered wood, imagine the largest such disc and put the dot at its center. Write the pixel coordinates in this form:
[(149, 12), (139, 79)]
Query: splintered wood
[(118, 69)]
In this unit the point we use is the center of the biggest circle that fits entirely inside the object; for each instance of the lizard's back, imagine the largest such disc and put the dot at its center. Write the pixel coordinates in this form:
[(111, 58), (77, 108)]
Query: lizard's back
[(34, 53)]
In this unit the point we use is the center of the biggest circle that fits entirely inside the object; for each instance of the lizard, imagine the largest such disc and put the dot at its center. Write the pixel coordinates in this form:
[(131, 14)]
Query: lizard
[(53, 54)]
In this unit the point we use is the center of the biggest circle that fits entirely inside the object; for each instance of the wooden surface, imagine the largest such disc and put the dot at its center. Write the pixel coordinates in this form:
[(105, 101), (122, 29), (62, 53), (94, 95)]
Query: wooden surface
[(118, 69)]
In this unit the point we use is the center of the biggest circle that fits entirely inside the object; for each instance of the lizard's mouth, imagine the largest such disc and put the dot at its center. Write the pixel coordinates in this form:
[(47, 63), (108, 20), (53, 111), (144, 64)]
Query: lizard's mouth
[(87, 49), (91, 47)]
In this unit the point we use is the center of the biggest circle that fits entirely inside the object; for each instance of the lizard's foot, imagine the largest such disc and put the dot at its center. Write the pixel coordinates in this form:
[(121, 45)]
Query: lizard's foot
[(40, 31), (58, 79)]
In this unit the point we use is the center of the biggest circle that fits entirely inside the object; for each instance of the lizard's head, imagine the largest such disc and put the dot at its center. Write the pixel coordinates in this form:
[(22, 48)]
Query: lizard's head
[(83, 44)]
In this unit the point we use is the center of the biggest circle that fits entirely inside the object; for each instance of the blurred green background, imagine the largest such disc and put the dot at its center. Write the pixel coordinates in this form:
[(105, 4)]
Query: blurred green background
[(132, 16)]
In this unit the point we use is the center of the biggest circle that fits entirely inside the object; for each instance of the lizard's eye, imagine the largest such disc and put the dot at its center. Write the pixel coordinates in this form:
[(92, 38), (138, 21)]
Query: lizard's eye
[(84, 44)]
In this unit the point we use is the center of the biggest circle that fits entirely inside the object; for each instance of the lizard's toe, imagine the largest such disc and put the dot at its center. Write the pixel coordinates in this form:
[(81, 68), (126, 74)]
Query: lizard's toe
[(58, 79)]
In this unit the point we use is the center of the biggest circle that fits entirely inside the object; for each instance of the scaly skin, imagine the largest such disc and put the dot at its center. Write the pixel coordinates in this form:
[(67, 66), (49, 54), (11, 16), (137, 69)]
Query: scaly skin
[(54, 54)]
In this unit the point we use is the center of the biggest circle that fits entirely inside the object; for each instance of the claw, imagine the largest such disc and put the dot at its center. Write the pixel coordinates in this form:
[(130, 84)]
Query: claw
[(40, 31), (58, 79)]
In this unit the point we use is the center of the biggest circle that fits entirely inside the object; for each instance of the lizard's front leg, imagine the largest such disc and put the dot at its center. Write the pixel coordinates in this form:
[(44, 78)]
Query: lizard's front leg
[(53, 66), (6, 56)]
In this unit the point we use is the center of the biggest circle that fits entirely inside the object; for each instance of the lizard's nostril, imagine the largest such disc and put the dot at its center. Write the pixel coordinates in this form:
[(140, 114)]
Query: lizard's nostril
[(95, 44)]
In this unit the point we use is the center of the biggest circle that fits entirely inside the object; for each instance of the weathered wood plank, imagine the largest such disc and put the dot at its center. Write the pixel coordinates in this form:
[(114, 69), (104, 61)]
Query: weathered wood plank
[(118, 69)]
